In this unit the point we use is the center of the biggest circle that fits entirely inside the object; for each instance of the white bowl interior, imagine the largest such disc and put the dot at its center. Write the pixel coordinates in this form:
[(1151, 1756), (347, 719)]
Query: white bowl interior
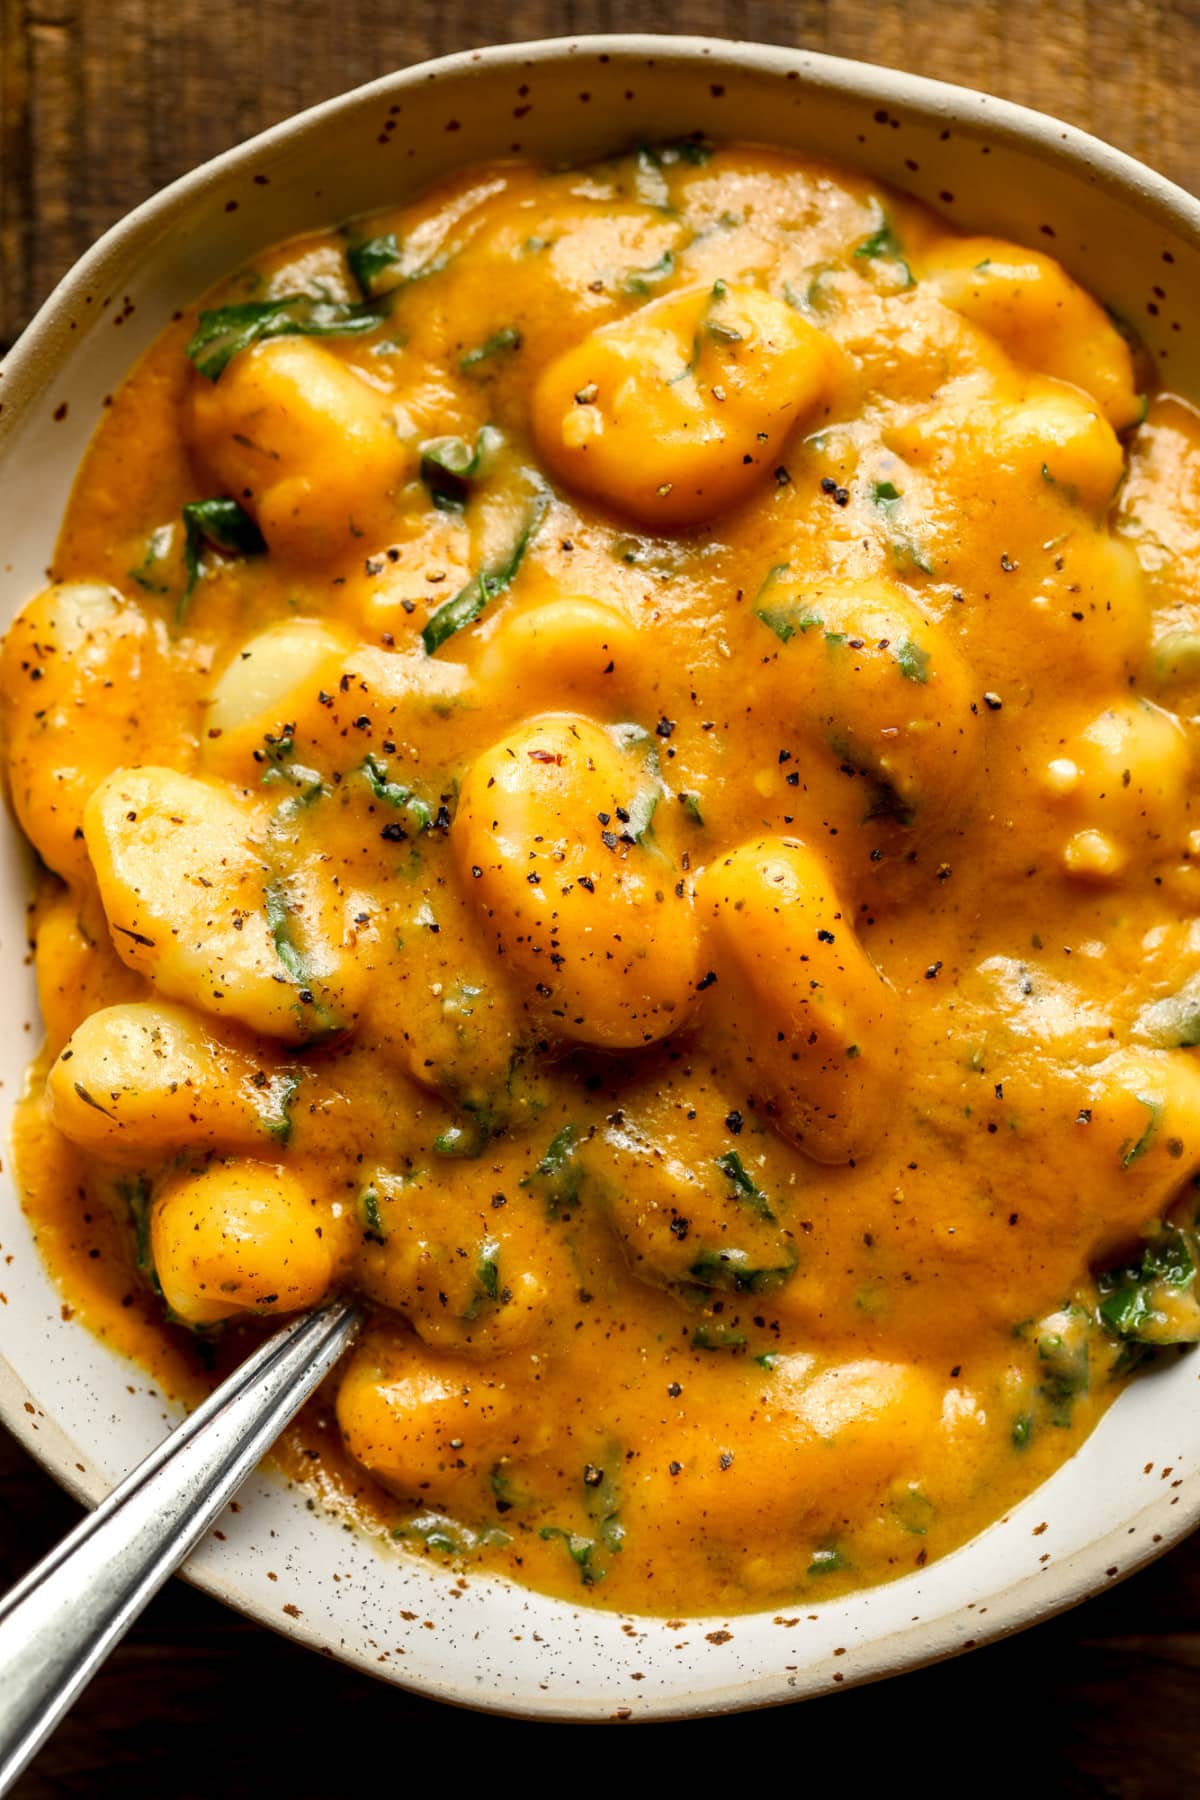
[(89, 1415)]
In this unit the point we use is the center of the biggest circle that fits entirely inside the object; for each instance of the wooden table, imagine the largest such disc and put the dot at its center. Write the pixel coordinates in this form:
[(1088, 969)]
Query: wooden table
[(102, 101)]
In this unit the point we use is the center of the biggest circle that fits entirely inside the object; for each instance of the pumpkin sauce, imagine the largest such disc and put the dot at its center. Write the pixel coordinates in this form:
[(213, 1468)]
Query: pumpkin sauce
[(611, 753)]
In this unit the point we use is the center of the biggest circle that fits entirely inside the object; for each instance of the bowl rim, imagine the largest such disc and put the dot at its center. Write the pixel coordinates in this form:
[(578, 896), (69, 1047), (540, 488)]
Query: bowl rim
[(22, 372)]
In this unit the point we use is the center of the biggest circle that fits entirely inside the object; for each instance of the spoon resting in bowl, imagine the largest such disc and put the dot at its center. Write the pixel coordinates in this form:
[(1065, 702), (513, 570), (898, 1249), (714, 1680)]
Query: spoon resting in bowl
[(58, 1624)]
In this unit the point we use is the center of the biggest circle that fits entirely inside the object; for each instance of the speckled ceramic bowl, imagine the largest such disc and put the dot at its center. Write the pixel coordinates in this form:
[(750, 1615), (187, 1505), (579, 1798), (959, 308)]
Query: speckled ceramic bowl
[(1133, 238)]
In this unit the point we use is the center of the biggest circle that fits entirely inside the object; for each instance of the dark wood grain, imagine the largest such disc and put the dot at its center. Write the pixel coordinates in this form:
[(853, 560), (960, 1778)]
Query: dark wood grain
[(101, 102), (105, 100)]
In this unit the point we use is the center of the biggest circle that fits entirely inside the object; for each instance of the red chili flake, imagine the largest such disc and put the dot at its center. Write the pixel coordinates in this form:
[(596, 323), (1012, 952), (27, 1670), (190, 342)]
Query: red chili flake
[(545, 756)]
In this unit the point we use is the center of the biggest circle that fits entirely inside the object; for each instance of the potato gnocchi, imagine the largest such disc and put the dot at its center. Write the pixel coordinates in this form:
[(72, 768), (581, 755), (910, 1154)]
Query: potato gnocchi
[(611, 757)]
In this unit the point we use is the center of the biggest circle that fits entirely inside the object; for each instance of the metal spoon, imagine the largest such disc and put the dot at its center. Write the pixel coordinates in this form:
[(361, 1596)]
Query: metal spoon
[(60, 1622)]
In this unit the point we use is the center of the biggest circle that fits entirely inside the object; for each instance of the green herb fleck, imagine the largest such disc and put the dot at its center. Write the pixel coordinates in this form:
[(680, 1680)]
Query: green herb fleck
[(640, 281), (827, 1561), (135, 1192), (369, 1214), (507, 338), (913, 662), (279, 1126), (1132, 1152), (884, 245)]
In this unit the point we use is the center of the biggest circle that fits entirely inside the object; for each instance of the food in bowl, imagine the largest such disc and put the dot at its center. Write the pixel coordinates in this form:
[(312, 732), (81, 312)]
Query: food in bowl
[(610, 758)]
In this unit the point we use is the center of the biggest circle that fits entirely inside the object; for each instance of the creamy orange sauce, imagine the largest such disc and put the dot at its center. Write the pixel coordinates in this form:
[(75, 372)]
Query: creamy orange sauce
[(613, 754)]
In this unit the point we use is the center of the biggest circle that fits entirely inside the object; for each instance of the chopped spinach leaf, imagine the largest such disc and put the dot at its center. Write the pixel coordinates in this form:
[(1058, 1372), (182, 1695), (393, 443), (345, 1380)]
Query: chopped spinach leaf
[(449, 465), (224, 525), (222, 332), (396, 794), (503, 1491), (279, 1125), (277, 753), (1064, 1350), (370, 1216), (884, 245), (913, 1510), (467, 605), (135, 1192), (718, 1337), (912, 660), (885, 802), (735, 1271), (906, 552), (745, 1188), (468, 1135), (1153, 1299), (581, 1550), (817, 296), (438, 1533), (1172, 1023), (558, 1178), (641, 814), (371, 259), (280, 922), (787, 621), (827, 1561), (695, 151), (487, 1269), (1134, 1150)]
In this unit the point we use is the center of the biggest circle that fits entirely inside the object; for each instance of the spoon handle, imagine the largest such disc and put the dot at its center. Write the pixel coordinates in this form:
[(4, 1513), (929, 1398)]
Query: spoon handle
[(61, 1620)]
